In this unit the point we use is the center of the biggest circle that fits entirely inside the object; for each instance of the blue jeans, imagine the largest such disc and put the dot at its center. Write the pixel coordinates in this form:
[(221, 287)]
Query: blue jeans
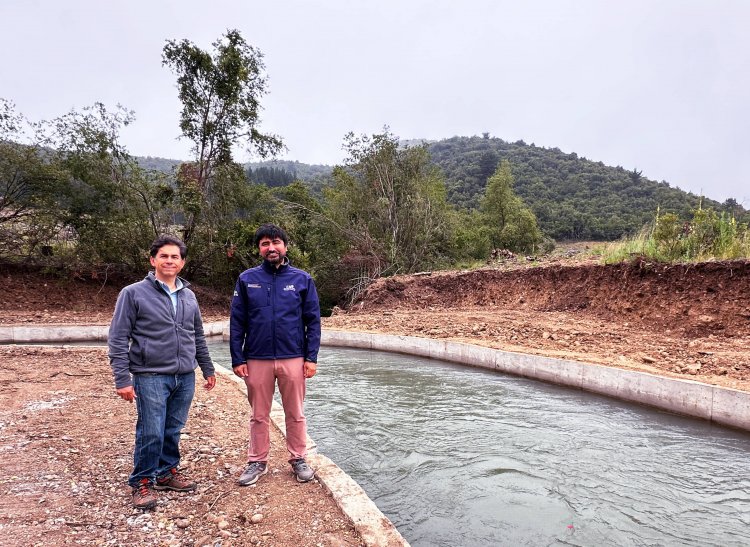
[(163, 401)]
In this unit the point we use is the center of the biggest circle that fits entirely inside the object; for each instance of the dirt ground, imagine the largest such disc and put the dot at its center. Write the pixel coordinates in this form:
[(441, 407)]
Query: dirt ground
[(66, 450), (65, 463), (684, 321)]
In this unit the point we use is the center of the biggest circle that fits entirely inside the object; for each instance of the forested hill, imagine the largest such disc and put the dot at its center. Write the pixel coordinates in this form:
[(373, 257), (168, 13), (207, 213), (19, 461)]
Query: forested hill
[(572, 197)]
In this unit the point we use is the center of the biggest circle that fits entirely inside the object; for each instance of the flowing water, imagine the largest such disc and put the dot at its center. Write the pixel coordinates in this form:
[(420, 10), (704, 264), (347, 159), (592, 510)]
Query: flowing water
[(456, 456)]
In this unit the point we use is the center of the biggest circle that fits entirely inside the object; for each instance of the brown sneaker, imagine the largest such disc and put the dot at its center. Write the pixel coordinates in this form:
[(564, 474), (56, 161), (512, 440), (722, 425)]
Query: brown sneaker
[(175, 481), (143, 496)]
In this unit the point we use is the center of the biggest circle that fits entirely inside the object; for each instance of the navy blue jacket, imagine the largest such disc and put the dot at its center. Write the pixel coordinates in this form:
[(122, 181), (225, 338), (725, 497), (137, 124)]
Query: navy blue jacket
[(275, 314)]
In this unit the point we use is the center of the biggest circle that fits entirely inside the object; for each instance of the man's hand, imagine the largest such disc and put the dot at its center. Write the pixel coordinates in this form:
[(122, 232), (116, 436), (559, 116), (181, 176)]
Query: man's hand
[(127, 393), (310, 369), (210, 383), (240, 370)]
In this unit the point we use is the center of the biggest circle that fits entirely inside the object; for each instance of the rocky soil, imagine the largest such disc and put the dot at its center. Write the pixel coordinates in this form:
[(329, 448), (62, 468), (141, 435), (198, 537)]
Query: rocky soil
[(66, 450)]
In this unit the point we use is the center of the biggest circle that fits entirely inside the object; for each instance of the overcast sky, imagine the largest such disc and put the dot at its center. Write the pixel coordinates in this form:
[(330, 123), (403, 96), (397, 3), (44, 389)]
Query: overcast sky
[(657, 85)]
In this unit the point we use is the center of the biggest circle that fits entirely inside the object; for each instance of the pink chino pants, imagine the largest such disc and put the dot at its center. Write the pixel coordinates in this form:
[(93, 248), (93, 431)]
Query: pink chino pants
[(261, 384)]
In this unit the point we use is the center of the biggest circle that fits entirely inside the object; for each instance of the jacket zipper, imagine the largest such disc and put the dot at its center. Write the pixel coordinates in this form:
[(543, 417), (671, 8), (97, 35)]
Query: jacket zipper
[(273, 313)]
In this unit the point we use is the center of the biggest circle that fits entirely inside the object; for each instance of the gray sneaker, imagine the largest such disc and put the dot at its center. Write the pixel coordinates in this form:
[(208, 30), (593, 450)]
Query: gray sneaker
[(252, 473), (302, 471)]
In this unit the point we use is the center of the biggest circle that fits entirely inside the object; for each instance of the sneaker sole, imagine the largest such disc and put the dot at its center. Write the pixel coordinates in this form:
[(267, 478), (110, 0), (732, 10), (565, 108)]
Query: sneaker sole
[(253, 481), (299, 479), (145, 506)]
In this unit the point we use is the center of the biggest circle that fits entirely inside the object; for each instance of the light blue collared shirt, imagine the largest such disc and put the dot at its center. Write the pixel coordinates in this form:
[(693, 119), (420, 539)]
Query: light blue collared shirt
[(172, 293)]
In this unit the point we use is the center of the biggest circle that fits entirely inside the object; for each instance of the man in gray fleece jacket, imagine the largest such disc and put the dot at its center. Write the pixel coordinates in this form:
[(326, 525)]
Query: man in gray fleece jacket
[(156, 341)]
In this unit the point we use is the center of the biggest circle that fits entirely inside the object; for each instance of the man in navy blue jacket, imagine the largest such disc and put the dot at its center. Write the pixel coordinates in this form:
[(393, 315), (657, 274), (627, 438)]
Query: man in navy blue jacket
[(275, 336)]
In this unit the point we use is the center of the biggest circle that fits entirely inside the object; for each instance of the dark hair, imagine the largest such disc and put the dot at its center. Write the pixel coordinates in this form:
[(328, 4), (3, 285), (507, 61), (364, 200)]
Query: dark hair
[(168, 239), (271, 231)]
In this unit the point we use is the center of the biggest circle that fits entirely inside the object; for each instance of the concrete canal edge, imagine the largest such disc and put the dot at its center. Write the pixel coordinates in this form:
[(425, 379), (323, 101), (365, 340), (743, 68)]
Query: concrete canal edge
[(724, 406)]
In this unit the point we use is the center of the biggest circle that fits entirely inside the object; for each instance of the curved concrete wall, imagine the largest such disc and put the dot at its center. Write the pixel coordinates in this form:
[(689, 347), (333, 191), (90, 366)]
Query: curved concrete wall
[(723, 406), (20, 334)]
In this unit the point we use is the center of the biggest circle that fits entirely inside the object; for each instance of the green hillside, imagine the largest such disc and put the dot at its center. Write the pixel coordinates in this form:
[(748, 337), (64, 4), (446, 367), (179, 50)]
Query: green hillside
[(571, 196)]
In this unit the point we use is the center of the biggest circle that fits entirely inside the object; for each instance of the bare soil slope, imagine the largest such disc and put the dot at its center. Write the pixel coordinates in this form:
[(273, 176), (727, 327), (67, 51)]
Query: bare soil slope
[(32, 297), (677, 320)]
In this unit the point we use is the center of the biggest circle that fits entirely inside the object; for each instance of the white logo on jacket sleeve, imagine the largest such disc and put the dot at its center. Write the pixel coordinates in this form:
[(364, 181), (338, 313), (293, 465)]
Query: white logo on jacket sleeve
[(289, 288), (253, 286)]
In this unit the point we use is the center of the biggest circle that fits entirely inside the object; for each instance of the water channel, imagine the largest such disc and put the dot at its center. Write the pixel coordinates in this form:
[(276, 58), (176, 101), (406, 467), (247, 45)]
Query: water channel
[(461, 456)]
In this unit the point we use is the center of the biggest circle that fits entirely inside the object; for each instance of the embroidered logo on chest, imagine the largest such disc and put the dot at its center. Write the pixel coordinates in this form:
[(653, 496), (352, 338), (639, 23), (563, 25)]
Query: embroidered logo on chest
[(289, 288)]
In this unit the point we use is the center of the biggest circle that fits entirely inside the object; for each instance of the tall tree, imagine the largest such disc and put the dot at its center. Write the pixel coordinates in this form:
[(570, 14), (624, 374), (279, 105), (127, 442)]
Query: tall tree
[(220, 93), (392, 202), (28, 185), (510, 224), (110, 202)]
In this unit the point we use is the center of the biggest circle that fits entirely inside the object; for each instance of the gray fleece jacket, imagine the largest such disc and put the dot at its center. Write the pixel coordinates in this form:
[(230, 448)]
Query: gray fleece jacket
[(147, 336)]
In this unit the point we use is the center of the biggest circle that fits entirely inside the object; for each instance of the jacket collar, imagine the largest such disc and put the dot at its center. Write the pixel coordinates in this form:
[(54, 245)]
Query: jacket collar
[(152, 278), (270, 268)]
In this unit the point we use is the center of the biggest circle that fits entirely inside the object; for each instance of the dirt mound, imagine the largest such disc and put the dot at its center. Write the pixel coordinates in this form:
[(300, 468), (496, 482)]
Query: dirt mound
[(697, 299), (31, 296), (686, 321)]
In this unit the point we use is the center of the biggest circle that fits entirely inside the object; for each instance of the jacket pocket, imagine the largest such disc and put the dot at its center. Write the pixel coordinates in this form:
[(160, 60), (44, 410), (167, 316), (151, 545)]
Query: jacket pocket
[(288, 338), (258, 295)]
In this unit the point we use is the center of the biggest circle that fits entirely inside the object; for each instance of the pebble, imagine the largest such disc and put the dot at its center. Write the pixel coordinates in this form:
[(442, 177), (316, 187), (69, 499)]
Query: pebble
[(256, 518), (182, 523), (222, 525)]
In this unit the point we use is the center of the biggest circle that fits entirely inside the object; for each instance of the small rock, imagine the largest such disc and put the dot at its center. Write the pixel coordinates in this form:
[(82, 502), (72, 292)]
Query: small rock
[(222, 525), (256, 518), (203, 542), (255, 540), (722, 372), (225, 533), (182, 523), (546, 335), (648, 359)]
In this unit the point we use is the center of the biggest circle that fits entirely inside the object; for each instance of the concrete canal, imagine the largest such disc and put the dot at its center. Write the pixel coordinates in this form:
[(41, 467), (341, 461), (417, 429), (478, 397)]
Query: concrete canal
[(460, 456)]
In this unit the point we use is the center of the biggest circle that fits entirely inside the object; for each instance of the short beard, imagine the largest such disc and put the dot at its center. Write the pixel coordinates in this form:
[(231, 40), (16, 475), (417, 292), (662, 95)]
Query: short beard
[(278, 259)]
